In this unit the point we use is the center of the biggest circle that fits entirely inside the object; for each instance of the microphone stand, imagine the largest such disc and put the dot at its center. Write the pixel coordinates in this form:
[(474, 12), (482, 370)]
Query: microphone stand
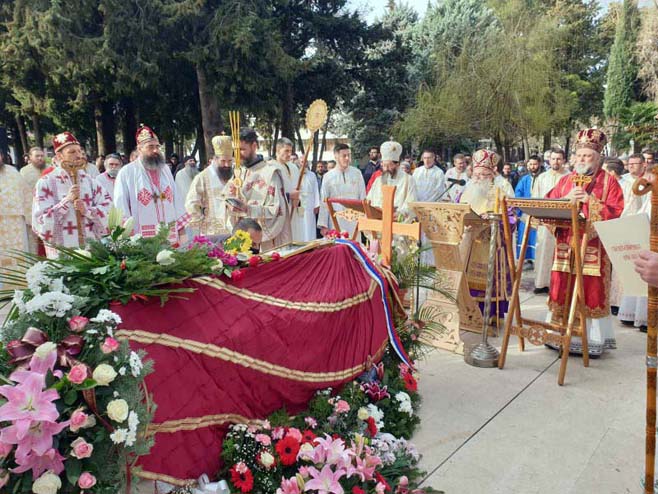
[(452, 184)]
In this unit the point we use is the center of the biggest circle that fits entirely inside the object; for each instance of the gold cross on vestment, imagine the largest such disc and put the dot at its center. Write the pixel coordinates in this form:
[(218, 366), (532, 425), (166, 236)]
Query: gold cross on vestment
[(581, 180), (387, 226)]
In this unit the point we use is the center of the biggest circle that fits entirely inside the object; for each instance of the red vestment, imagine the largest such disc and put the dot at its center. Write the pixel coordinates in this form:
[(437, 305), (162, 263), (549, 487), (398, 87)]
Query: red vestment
[(606, 202)]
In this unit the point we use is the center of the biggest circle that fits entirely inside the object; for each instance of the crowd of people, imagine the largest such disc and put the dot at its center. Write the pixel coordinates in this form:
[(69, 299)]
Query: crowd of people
[(283, 199)]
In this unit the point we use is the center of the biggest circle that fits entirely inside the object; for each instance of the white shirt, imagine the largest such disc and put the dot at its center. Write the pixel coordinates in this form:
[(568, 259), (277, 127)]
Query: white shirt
[(340, 184), (430, 183)]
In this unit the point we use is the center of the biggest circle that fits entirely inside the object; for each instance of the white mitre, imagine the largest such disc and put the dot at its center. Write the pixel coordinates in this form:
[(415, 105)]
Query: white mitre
[(391, 151)]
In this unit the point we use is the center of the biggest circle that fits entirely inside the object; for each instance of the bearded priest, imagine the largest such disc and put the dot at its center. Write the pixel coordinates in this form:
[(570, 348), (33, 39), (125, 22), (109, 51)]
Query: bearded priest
[(146, 191), (405, 191), (602, 199)]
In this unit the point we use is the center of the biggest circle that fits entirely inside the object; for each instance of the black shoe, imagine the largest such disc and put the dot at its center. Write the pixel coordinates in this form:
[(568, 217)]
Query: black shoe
[(643, 329), (628, 323), (614, 310), (537, 291)]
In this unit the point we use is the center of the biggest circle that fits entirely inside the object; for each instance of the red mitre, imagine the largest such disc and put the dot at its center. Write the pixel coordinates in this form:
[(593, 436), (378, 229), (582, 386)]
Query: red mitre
[(60, 141), (483, 158), (145, 133), (591, 139)]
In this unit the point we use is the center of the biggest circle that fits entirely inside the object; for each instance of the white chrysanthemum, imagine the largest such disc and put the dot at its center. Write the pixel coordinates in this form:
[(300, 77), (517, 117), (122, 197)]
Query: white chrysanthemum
[(107, 316), (36, 277), (376, 414), (119, 436), (131, 438), (136, 364), (133, 422), (19, 302), (50, 303)]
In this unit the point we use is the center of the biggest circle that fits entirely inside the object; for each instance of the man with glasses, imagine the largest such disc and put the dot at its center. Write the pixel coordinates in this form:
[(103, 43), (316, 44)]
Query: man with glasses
[(145, 190)]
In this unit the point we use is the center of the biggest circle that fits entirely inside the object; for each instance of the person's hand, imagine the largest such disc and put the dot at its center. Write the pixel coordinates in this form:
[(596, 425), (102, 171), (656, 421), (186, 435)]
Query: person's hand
[(577, 194), (74, 193), (79, 205), (323, 231), (294, 196), (646, 265)]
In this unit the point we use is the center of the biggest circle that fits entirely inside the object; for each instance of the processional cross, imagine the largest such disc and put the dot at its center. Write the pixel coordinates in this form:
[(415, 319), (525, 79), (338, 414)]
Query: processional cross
[(387, 226)]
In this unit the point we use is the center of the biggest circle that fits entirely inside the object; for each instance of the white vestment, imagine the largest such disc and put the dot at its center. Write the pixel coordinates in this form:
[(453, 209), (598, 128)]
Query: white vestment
[(206, 204), (455, 190), (31, 174), (150, 198), (55, 220), (92, 170), (184, 179), (15, 214), (405, 192), (107, 183), (303, 217), (339, 184), (430, 183), (290, 176), (545, 246), (634, 309)]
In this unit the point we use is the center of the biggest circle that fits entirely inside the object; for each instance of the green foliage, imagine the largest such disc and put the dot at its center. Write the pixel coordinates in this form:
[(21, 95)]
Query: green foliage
[(622, 68), (638, 123)]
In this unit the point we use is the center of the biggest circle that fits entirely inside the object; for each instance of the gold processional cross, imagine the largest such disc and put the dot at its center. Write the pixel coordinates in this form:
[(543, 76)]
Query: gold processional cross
[(387, 226)]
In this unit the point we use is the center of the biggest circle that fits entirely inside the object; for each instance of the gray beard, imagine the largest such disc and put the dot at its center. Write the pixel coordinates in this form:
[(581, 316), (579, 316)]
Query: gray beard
[(113, 173), (190, 170), (153, 163), (582, 169)]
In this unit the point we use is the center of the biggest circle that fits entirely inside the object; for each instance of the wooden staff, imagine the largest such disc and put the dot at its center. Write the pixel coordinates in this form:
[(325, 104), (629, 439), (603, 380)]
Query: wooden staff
[(72, 168), (640, 187)]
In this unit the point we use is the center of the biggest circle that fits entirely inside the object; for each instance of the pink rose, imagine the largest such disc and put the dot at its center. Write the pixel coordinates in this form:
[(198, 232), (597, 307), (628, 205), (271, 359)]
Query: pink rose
[(342, 407), (78, 420), (5, 449), (86, 481), (78, 374), (81, 449), (109, 345), (77, 324), (296, 434), (264, 439)]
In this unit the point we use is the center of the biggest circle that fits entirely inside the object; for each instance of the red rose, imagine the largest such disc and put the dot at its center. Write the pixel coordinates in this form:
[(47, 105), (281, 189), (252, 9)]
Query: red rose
[(410, 382), (372, 427), (276, 256), (254, 261), (237, 275), (242, 478), (287, 448), (357, 490), (308, 437)]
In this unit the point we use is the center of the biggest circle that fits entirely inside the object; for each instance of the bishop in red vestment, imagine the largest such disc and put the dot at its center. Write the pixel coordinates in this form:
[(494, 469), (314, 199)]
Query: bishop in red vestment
[(602, 199)]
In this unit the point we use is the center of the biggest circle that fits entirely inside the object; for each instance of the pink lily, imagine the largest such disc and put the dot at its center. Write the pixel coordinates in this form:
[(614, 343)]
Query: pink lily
[(288, 486), (38, 437), (365, 467), (332, 451), (325, 481), (28, 401), (51, 460)]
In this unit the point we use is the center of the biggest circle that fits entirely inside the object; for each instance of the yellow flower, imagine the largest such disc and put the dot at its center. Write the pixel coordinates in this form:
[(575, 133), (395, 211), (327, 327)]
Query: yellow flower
[(239, 243)]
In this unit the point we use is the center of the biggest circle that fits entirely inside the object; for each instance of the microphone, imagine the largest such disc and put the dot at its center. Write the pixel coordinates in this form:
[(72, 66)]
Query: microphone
[(455, 181)]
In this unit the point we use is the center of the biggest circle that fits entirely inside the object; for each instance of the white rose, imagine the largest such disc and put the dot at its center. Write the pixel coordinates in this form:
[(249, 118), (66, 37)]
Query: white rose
[(117, 410), (165, 257), (48, 483), (104, 374), (83, 252), (266, 459), (363, 413), (45, 349)]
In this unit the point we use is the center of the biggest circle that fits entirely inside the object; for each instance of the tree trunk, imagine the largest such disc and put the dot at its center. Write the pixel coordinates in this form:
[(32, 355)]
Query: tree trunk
[(567, 144), (324, 134), (211, 119), (129, 128), (287, 112), (300, 141), (547, 140), (169, 144), (100, 137), (316, 138), (36, 128), (204, 154), (108, 127), (275, 137), (22, 134)]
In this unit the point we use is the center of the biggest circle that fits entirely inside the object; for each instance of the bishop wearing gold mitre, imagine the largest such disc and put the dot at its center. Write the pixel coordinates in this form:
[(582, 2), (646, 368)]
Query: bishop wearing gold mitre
[(602, 199), (206, 199)]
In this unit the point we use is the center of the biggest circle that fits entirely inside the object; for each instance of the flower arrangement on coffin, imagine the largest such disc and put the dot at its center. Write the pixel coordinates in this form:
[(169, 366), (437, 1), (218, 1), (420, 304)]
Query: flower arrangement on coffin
[(352, 442), (334, 234)]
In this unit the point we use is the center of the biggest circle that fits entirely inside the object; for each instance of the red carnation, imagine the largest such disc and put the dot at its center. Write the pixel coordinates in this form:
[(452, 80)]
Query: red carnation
[(372, 426), (308, 437), (380, 478), (254, 261), (410, 382), (357, 490), (242, 478), (237, 275), (276, 256), (287, 448), (345, 235)]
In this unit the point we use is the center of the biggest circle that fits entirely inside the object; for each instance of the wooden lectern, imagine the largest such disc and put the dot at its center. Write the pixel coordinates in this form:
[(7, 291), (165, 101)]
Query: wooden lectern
[(552, 213), (444, 226)]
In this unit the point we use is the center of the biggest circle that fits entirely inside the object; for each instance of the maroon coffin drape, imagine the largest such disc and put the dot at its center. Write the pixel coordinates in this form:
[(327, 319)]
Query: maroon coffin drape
[(238, 351)]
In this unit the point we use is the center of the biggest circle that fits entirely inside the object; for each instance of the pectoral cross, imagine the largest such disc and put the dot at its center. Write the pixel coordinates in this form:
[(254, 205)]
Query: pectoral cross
[(387, 226)]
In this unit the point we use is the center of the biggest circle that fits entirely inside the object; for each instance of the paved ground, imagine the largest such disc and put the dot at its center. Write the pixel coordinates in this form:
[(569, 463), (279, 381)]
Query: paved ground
[(516, 431)]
